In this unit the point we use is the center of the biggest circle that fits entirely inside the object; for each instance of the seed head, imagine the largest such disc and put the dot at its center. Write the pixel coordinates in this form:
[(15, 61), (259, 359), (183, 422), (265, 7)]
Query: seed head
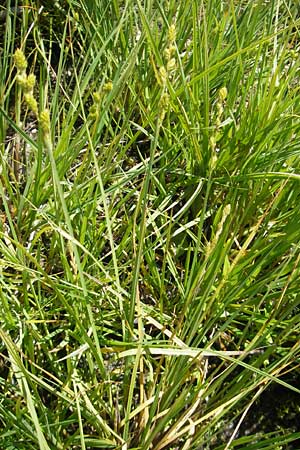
[(172, 34), (220, 109), (45, 121), (218, 122), (30, 82), (226, 210), (223, 93), (22, 79), (31, 103), (93, 111), (167, 54), (213, 161), (108, 86), (171, 64), (20, 60), (212, 142), (164, 101), (163, 75), (97, 97), (172, 50), (163, 105)]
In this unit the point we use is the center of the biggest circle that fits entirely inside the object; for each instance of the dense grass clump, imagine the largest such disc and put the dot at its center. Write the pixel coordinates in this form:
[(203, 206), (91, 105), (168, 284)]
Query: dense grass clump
[(150, 225)]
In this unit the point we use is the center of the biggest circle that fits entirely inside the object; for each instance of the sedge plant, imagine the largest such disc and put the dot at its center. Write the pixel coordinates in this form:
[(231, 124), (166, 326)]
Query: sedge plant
[(149, 233)]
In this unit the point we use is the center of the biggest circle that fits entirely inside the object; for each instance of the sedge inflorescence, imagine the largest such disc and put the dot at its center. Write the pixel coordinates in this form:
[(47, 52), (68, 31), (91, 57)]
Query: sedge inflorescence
[(217, 121), (98, 97), (166, 71), (27, 84)]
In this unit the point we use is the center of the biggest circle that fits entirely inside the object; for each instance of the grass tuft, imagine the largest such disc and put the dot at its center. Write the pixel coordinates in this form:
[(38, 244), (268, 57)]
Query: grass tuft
[(149, 232)]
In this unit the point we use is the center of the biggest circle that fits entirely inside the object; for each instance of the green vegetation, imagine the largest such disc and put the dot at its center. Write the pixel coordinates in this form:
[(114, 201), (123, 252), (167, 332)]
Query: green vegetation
[(150, 225)]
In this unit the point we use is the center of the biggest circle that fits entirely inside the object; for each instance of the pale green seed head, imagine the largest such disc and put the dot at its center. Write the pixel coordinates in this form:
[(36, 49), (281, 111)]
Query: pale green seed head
[(223, 93), (167, 54), (108, 86), (45, 121), (163, 105), (172, 50), (226, 210), (220, 109), (97, 97), (20, 60), (93, 111), (164, 101), (22, 79), (172, 33), (171, 65), (294, 54), (212, 142), (31, 103), (213, 161), (163, 75), (30, 82)]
